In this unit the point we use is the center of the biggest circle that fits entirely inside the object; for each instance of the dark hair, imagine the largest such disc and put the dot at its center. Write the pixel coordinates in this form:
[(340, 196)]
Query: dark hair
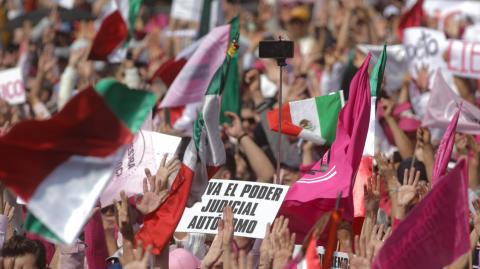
[(405, 164), (19, 245)]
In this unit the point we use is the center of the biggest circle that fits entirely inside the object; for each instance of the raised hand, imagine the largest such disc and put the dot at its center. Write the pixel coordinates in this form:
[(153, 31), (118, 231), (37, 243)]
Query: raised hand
[(408, 190), (282, 242), (266, 252), (155, 189), (123, 217), (135, 259), (359, 259), (234, 130), (387, 169), (5, 208), (423, 137), (372, 193), (215, 251), (423, 77), (377, 238)]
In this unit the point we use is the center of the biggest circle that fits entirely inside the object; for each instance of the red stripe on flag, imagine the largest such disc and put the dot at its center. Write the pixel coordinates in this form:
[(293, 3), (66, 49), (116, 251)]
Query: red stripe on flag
[(288, 127), (159, 226), (33, 149), (111, 34), (168, 71)]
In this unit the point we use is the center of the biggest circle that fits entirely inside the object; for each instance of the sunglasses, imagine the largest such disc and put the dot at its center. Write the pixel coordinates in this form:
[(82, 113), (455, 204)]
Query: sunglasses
[(107, 209)]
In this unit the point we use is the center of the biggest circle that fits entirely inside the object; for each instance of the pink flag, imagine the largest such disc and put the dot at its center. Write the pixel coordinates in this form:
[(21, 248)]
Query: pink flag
[(445, 150), (443, 104), (315, 193), (192, 82), (436, 232)]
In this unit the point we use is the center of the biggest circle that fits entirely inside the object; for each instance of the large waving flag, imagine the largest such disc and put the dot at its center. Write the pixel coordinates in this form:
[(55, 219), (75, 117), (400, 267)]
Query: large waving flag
[(61, 165), (191, 83), (116, 28), (203, 156), (313, 119), (365, 169), (316, 192), (436, 232), (442, 106)]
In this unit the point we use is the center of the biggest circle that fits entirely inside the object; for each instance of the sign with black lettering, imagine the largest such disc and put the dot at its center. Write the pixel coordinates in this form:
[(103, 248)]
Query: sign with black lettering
[(146, 151), (340, 259), (424, 47), (12, 88), (253, 204)]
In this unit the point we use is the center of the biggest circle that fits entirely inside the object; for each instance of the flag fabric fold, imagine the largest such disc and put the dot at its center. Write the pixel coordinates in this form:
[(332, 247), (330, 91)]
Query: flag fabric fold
[(438, 227), (412, 18), (191, 83), (203, 157), (313, 119), (442, 106), (316, 191), (72, 153), (445, 150), (116, 28)]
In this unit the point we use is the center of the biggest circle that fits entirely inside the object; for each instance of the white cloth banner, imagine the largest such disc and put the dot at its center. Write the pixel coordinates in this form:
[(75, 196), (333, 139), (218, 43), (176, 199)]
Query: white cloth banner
[(12, 88), (253, 204), (146, 151)]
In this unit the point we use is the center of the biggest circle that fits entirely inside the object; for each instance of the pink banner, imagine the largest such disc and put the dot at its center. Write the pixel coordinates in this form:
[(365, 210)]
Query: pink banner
[(442, 106), (436, 231), (192, 82)]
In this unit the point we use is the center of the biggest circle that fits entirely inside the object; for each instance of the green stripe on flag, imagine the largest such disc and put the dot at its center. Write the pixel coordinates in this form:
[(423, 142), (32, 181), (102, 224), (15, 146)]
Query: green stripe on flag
[(133, 9), (205, 19), (33, 225), (130, 106), (376, 77), (328, 107), (197, 130), (231, 94)]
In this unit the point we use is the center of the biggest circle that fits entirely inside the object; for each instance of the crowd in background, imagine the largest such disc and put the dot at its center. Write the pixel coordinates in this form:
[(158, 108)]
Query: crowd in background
[(50, 51)]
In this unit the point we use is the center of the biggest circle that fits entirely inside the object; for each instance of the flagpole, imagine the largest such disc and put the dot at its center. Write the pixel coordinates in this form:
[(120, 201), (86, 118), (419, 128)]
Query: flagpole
[(281, 62), (279, 134)]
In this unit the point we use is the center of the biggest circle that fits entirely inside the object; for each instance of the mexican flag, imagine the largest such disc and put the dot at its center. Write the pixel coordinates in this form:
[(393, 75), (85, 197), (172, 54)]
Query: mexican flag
[(60, 166), (204, 155), (117, 24), (313, 119)]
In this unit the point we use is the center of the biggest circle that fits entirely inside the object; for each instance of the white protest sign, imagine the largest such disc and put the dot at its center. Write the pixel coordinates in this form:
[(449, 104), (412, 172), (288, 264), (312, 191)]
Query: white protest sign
[(443, 10), (12, 89), (426, 47), (146, 151), (189, 10), (339, 258), (253, 204), (464, 58)]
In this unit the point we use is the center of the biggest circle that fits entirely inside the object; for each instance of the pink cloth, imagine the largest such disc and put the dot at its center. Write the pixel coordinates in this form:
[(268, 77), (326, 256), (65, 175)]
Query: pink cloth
[(181, 258), (192, 82), (443, 105), (445, 150), (436, 232), (314, 194), (96, 250)]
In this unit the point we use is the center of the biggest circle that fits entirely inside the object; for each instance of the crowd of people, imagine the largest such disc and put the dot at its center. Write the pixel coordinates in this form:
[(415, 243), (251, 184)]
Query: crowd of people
[(52, 50)]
